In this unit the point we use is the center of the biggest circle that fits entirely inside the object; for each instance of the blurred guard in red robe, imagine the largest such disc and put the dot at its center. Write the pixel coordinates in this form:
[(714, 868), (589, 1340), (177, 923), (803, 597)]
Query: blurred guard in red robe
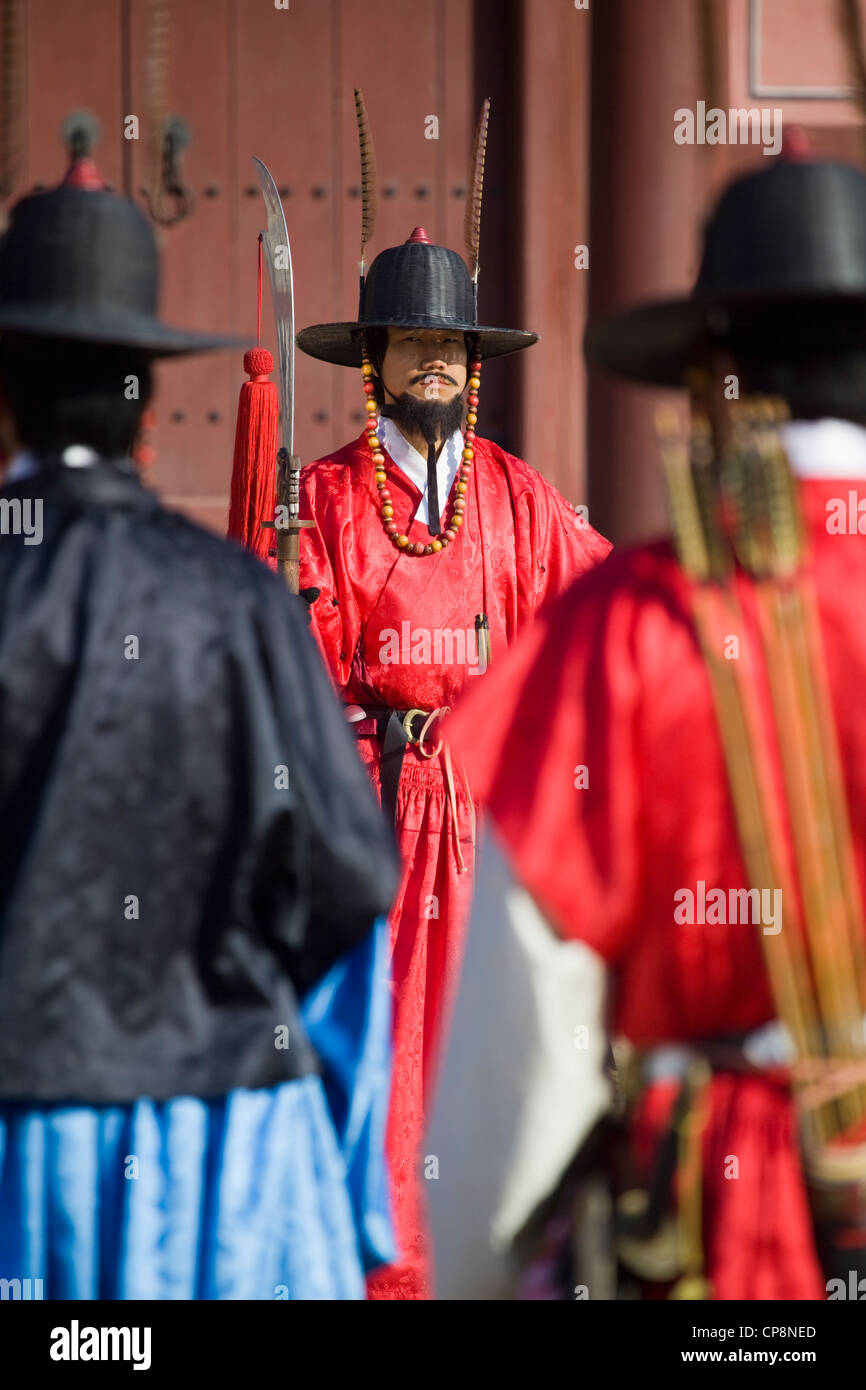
[(426, 535), (596, 745)]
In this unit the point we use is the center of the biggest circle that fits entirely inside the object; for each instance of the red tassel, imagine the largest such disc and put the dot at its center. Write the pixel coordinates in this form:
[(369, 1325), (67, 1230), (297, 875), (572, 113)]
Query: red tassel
[(254, 467)]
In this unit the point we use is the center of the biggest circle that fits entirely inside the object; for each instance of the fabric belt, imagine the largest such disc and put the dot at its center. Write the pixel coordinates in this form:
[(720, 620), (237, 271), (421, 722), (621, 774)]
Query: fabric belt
[(395, 727), (398, 728), (764, 1049), (767, 1050)]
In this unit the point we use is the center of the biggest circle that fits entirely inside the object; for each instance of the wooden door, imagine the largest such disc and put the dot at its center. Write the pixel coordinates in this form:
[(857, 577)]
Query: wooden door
[(252, 78)]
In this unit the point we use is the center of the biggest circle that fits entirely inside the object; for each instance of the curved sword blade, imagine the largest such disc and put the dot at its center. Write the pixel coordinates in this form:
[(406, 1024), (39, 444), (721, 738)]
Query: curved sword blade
[(279, 258)]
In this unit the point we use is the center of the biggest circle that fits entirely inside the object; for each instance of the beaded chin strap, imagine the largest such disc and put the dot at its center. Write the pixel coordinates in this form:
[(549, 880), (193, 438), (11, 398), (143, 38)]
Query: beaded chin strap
[(386, 510), (472, 233)]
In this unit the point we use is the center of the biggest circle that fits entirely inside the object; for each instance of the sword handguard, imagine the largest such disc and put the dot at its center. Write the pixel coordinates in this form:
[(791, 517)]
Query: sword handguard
[(288, 535)]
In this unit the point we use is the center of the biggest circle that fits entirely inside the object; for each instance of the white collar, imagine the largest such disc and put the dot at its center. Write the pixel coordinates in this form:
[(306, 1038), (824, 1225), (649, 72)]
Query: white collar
[(21, 465), (414, 465), (825, 448), (24, 464)]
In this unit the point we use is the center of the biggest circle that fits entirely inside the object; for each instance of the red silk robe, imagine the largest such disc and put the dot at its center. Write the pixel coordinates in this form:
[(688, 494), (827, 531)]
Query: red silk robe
[(611, 680), (399, 631)]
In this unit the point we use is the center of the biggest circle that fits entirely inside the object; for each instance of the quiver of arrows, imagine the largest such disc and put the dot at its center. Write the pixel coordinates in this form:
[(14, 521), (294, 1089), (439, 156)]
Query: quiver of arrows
[(738, 514)]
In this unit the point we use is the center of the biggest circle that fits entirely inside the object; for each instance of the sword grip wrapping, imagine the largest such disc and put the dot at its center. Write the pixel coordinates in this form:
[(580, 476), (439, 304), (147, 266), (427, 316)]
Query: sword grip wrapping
[(289, 482), (288, 558), (288, 537)]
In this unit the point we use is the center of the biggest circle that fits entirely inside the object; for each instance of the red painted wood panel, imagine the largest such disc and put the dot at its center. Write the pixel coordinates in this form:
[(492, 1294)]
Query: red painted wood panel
[(288, 115), (251, 78), (73, 61), (397, 51), (555, 59), (647, 193), (496, 34), (458, 117), (194, 405), (801, 44)]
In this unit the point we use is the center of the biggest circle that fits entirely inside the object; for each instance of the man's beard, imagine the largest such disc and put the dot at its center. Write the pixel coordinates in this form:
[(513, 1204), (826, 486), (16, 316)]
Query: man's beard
[(433, 420)]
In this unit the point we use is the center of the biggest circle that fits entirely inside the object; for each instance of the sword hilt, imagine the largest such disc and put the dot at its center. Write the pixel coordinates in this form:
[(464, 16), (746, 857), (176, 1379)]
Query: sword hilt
[(288, 532), (289, 481)]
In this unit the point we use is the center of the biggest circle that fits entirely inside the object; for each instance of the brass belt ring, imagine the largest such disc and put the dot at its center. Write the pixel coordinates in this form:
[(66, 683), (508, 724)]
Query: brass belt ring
[(407, 723)]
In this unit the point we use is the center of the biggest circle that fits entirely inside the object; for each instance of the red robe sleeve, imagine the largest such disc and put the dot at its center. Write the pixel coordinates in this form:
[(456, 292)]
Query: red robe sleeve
[(566, 545), (334, 617), (547, 740)]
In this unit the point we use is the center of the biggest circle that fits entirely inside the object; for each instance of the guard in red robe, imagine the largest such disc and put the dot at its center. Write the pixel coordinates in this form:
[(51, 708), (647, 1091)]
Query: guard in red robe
[(596, 748), (432, 549)]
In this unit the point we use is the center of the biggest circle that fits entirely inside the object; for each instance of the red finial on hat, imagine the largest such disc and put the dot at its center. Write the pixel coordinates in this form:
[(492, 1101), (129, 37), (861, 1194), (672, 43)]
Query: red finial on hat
[(80, 132), (83, 173), (796, 144), (419, 234)]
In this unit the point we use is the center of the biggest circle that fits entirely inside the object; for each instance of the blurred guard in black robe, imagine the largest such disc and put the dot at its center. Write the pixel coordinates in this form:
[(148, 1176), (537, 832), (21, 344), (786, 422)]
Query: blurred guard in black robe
[(193, 1005)]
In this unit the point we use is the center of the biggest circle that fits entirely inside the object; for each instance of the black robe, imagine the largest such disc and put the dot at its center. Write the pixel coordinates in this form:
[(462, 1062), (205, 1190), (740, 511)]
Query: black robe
[(187, 837)]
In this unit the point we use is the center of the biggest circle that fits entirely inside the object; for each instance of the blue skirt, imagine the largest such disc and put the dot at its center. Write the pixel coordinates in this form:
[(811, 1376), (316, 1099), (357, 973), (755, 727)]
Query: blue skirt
[(277, 1193)]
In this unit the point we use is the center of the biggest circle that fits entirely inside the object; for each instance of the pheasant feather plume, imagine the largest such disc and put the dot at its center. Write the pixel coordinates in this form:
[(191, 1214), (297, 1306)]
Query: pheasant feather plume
[(472, 223), (369, 185)]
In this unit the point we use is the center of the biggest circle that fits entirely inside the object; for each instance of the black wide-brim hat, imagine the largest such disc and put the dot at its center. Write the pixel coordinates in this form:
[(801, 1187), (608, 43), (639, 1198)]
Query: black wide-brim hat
[(416, 285), (783, 269), (82, 263)]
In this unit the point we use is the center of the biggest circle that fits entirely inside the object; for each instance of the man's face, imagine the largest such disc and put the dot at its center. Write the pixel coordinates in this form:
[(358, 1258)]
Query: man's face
[(428, 363)]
